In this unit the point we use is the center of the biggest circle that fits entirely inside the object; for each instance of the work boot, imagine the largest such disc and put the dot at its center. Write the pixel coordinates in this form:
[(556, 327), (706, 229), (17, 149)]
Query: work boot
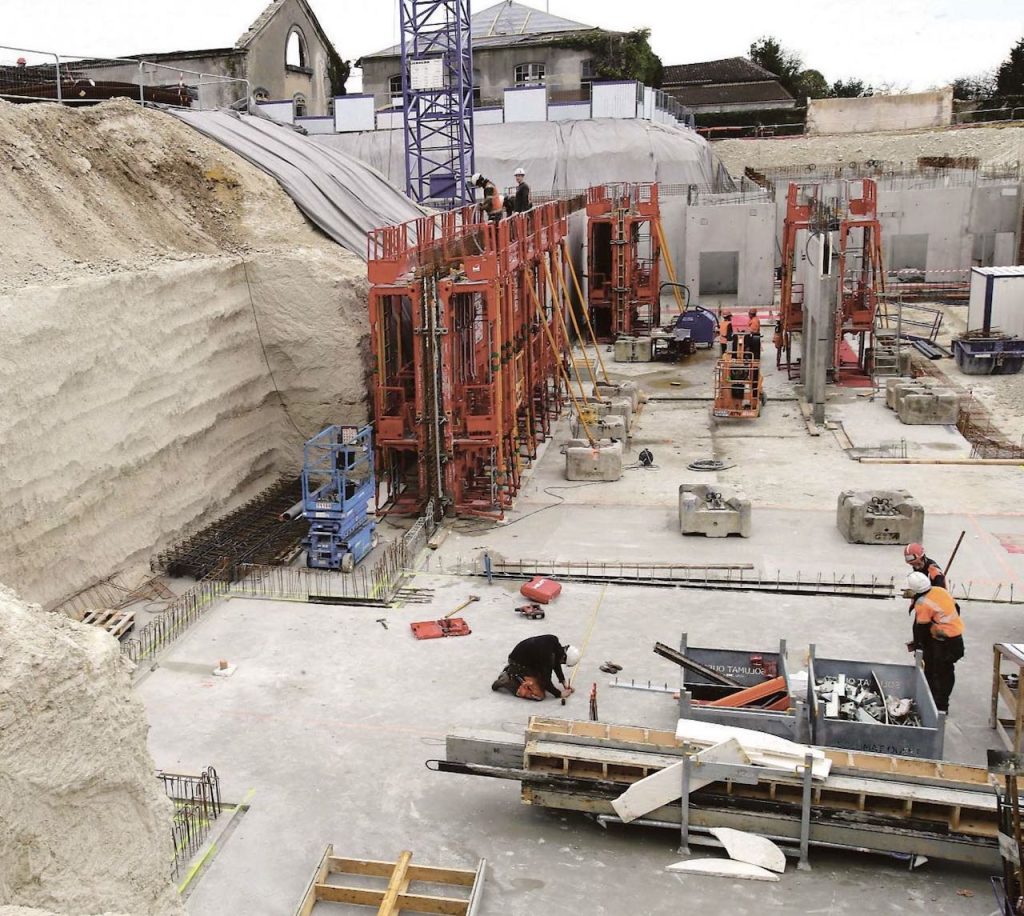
[(504, 682)]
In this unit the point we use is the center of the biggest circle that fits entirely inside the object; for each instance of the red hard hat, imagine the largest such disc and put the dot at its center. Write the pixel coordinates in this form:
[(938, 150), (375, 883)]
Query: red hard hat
[(913, 552), (22, 61)]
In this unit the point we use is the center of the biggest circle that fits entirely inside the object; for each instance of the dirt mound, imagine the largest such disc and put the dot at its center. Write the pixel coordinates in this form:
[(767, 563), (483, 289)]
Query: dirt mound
[(86, 825)]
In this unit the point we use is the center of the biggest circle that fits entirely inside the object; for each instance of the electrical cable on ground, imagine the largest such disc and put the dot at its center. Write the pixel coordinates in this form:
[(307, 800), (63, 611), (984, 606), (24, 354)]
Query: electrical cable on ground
[(483, 529), (266, 359)]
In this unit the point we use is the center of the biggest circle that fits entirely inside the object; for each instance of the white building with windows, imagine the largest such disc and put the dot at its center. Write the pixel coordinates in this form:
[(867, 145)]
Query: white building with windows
[(514, 46)]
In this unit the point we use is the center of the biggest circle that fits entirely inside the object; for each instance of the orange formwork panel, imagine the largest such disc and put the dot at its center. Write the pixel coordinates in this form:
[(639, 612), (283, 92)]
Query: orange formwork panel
[(464, 380), (623, 293)]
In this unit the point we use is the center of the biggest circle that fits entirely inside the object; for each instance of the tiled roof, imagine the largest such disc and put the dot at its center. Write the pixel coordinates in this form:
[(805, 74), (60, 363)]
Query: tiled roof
[(508, 23), (730, 94), (728, 70), (261, 21)]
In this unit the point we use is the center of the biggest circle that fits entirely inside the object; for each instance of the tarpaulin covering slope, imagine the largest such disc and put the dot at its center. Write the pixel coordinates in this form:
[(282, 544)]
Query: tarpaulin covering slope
[(337, 192), (560, 155)]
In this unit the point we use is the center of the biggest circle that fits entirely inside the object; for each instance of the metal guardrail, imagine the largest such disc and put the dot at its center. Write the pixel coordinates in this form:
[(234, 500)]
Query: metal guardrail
[(29, 75)]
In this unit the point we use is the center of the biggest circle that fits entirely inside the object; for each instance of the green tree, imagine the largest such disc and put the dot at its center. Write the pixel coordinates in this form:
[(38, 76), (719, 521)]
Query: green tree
[(619, 56), (978, 86), (848, 89), (1010, 75), (768, 53), (812, 85)]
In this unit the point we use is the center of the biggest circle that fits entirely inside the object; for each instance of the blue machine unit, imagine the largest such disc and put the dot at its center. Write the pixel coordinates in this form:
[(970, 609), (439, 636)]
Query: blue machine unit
[(337, 490), (701, 324)]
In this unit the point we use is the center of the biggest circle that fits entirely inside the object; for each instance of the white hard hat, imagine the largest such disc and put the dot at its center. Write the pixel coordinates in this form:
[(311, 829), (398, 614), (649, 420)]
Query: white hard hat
[(475, 178), (519, 171), (918, 583), (572, 656)]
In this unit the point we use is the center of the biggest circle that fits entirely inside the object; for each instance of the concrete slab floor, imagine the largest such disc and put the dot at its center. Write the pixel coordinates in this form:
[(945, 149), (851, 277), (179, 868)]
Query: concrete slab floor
[(330, 718)]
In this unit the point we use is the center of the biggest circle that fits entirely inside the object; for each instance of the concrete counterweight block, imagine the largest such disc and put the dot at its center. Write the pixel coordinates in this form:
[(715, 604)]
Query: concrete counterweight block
[(879, 517), (602, 461), (622, 407), (611, 427), (713, 511), (629, 390), (929, 407), (632, 350)]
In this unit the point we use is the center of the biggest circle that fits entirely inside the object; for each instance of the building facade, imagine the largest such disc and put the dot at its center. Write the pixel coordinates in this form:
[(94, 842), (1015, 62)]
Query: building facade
[(734, 84), (514, 45)]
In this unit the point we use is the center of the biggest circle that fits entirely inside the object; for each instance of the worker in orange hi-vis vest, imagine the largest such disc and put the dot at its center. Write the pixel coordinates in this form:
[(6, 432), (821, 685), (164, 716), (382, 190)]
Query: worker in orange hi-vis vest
[(938, 633), (491, 203), (726, 335), (752, 344)]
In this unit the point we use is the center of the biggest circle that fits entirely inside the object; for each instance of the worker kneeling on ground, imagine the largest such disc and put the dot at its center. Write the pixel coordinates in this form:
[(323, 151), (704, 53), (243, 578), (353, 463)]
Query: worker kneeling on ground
[(531, 665), (938, 633)]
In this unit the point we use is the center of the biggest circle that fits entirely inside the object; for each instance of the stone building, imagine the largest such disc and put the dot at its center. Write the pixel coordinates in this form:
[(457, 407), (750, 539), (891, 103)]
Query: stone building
[(284, 54), (513, 45)]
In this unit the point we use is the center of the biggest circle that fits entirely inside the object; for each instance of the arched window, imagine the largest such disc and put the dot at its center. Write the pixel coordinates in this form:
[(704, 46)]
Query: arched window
[(295, 49), (299, 103), (529, 74)]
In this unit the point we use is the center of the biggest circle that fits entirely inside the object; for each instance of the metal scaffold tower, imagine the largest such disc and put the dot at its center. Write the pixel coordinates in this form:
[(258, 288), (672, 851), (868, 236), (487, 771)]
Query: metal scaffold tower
[(437, 100)]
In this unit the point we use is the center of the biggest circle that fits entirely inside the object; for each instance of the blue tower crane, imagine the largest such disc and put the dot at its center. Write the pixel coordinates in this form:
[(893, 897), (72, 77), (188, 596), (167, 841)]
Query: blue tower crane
[(437, 100)]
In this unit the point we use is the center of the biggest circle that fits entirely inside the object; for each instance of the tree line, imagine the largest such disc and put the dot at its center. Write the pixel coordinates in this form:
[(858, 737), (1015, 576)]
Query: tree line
[(1007, 79)]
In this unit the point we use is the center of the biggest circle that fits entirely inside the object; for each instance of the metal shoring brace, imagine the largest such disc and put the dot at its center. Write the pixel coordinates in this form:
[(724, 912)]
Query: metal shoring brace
[(805, 813), (684, 809)]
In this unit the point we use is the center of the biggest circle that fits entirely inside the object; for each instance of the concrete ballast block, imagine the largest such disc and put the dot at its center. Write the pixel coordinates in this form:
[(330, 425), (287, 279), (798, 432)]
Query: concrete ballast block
[(713, 511), (879, 517), (929, 407), (602, 461)]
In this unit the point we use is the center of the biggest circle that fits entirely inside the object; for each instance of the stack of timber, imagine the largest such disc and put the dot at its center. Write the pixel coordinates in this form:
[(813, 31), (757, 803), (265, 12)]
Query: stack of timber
[(859, 800)]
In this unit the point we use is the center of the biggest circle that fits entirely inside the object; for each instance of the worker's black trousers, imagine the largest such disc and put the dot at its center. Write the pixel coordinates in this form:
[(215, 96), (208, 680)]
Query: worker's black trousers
[(940, 661)]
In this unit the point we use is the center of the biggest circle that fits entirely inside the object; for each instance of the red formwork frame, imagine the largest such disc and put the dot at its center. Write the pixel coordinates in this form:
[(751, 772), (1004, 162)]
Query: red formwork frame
[(852, 214), (624, 251), (465, 381)]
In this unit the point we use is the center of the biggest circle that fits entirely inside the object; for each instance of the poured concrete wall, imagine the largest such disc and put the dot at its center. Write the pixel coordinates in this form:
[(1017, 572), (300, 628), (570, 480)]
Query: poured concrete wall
[(747, 229), (912, 111)]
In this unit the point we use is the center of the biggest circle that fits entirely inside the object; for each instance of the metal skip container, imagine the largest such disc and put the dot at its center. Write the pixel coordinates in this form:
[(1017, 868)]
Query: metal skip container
[(902, 681), (748, 668)]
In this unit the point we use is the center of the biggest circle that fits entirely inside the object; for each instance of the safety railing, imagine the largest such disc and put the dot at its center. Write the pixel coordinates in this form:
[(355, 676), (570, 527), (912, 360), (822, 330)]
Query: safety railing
[(986, 115), (28, 75)]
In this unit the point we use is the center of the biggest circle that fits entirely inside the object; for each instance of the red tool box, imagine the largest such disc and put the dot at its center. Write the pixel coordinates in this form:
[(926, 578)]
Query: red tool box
[(541, 589)]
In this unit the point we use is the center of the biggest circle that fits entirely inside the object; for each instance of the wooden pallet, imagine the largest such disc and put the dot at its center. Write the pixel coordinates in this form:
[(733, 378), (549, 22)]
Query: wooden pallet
[(395, 897), (116, 623)]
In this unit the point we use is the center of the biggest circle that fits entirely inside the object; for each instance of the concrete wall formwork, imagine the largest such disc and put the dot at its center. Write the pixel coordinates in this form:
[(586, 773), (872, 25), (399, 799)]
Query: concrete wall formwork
[(913, 111)]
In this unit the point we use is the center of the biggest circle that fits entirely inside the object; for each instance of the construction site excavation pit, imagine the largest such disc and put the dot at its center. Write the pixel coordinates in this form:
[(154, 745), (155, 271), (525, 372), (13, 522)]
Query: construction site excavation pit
[(179, 319)]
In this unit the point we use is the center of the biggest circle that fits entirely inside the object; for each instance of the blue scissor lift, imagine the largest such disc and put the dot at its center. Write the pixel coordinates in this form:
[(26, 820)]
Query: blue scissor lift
[(337, 489)]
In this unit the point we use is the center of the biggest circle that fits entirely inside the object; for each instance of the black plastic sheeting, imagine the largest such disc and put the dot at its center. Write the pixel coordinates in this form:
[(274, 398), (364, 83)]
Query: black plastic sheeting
[(341, 195)]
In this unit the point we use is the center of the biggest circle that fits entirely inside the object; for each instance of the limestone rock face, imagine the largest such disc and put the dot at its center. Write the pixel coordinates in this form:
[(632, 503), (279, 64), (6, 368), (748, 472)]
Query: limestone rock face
[(86, 825)]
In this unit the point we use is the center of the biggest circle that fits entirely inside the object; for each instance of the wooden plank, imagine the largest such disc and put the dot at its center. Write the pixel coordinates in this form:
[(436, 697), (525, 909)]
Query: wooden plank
[(372, 867), (309, 899), (442, 906), (388, 906), (457, 876), (357, 896), (752, 694), (665, 786)]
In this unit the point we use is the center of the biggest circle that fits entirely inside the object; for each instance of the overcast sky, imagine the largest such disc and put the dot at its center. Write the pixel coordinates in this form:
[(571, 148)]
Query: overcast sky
[(912, 43)]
